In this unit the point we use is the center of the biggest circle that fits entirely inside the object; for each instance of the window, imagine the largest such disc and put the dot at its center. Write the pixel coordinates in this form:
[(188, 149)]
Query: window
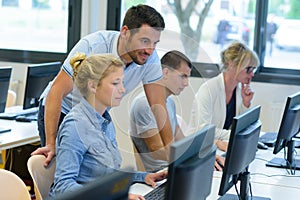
[(224, 22), (38, 30), (282, 35)]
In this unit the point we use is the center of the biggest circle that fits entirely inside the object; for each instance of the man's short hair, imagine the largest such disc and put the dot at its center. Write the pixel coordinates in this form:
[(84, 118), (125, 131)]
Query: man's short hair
[(172, 59), (136, 16)]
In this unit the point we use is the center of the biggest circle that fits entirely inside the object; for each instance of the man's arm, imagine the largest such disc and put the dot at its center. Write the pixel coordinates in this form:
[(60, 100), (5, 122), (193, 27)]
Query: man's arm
[(155, 94), (155, 145), (62, 85)]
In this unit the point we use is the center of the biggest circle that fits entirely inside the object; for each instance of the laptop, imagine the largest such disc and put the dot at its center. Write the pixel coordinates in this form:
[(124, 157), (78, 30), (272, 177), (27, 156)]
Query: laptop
[(113, 186)]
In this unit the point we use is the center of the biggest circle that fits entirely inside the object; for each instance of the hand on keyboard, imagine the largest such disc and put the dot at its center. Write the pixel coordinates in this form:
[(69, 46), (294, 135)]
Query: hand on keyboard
[(157, 193), (152, 178)]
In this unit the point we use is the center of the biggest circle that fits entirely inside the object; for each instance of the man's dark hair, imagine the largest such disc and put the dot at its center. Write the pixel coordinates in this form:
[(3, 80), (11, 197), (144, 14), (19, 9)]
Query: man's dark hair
[(172, 59), (136, 16)]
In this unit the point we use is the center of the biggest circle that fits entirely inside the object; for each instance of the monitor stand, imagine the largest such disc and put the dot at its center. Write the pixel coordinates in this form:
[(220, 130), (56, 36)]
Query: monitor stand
[(235, 197), (282, 163), (289, 162), (244, 190)]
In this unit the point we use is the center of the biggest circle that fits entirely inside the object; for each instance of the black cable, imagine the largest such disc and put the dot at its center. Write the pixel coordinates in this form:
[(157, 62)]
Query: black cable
[(274, 175), (250, 190), (237, 192)]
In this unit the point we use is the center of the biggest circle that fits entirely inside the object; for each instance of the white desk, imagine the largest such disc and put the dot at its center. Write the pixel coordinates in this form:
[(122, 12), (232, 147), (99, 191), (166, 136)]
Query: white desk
[(271, 182), (21, 133)]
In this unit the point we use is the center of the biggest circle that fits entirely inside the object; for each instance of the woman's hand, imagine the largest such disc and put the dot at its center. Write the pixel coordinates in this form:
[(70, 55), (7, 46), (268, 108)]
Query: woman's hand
[(135, 197), (247, 95), (152, 178)]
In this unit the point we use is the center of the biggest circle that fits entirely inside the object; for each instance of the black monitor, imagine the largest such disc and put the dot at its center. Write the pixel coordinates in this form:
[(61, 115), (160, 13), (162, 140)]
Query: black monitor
[(38, 77), (205, 70), (241, 152), (191, 170), (5, 73), (289, 128), (113, 186)]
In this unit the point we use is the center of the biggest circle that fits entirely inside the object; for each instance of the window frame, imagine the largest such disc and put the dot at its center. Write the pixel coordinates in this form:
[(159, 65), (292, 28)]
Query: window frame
[(263, 74), (74, 31), (269, 74)]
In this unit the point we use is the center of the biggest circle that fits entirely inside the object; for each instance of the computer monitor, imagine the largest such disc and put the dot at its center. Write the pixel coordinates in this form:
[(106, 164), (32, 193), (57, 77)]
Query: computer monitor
[(289, 128), (205, 70), (38, 77), (192, 164), (241, 152), (113, 186), (5, 73)]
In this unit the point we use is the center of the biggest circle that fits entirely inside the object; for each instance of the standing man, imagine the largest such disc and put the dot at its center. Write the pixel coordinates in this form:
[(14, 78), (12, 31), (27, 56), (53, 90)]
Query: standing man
[(223, 28), (135, 45), (271, 31)]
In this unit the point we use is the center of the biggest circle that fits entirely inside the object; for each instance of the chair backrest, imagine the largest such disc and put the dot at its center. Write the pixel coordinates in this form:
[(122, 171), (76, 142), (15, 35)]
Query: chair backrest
[(42, 176), (139, 163), (11, 98), (12, 187)]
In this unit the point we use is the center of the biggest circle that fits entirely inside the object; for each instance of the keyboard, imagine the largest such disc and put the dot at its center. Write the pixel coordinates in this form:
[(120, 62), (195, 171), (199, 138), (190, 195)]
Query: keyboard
[(269, 138), (12, 113), (157, 193)]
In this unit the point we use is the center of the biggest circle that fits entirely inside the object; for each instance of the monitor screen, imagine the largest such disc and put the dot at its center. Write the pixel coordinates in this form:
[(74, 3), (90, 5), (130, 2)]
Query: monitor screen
[(113, 186), (241, 152), (38, 77), (289, 128), (192, 164), (5, 73), (205, 70)]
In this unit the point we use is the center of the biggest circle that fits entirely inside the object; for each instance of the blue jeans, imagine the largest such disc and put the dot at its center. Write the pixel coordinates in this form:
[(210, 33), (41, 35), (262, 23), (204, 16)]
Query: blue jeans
[(41, 123)]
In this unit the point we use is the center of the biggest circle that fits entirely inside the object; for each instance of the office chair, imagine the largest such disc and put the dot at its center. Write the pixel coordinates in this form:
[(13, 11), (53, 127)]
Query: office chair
[(11, 98), (12, 187), (42, 176)]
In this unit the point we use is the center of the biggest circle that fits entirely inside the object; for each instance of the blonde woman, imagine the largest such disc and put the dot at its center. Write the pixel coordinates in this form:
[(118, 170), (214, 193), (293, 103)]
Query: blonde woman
[(221, 98), (86, 142)]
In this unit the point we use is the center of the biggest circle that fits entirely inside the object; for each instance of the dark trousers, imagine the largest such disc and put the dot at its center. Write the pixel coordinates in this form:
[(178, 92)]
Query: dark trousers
[(41, 123)]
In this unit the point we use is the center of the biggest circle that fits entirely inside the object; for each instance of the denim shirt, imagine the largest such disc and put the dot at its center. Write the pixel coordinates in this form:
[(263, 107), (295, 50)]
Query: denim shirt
[(86, 149)]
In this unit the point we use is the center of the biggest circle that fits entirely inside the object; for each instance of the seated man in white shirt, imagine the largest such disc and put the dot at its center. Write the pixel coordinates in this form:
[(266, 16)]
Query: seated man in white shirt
[(176, 69)]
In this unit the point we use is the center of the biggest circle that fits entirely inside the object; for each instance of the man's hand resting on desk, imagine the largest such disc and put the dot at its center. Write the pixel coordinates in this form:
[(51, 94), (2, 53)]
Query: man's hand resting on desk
[(152, 178), (48, 151)]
